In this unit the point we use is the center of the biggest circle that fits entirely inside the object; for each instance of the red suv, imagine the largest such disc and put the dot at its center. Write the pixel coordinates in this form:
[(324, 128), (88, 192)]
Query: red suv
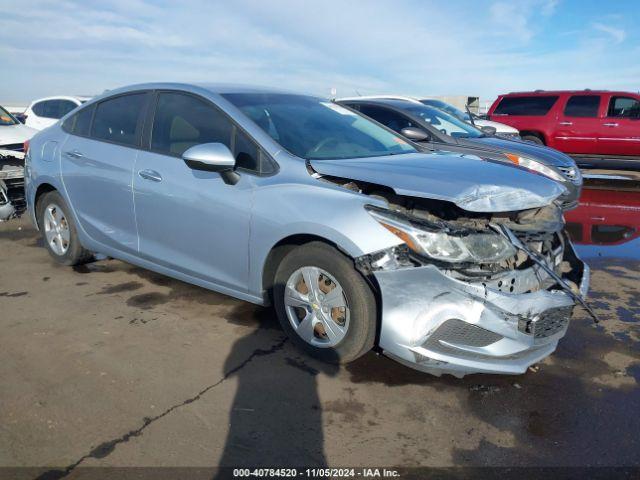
[(584, 122)]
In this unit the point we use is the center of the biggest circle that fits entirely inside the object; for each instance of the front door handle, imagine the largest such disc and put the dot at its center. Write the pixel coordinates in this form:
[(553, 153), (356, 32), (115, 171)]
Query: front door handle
[(610, 124), (74, 154), (150, 175), (565, 124)]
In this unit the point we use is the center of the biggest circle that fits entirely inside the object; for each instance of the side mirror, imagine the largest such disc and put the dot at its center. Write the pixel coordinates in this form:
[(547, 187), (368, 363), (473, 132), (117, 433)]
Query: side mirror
[(488, 130), (415, 134), (212, 157)]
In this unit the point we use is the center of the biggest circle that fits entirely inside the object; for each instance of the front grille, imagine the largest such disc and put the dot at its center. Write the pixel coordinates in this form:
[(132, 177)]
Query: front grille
[(16, 147), (457, 332), (548, 323)]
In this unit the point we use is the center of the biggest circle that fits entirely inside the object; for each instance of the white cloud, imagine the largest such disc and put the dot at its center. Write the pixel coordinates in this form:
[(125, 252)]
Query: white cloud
[(421, 47), (617, 34)]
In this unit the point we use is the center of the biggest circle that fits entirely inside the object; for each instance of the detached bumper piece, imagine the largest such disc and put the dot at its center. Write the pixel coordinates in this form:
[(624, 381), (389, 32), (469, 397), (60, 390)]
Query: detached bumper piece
[(439, 324)]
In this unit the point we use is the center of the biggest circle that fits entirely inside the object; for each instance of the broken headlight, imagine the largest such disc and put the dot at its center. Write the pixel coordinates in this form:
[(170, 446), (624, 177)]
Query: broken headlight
[(476, 247)]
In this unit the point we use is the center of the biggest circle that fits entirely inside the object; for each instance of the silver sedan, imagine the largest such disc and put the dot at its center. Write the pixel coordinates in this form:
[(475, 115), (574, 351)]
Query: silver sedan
[(447, 263)]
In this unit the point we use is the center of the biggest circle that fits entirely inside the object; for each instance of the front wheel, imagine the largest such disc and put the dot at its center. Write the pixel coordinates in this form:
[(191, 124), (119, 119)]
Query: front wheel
[(533, 139), (324, 304)]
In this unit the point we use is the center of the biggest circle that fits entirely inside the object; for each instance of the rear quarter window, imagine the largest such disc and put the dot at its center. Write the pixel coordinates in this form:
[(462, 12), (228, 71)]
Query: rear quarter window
[(538, 105)]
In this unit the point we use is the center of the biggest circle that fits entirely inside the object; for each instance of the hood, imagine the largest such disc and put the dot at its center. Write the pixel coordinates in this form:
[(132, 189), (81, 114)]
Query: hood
[(548, 156), (471, 183), (500, 127), (11, 134)]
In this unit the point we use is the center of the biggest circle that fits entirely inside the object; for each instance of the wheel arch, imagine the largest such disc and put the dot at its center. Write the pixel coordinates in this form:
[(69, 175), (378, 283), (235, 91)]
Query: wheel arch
[(42, 189), (534, 133)]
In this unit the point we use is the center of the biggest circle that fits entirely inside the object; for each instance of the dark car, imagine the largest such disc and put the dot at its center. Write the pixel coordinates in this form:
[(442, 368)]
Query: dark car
[(437, 130)]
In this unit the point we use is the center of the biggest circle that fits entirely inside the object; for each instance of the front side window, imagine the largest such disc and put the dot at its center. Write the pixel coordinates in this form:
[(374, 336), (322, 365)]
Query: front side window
[(6, 118), (182, 121), (582, 106), (624, 107), (314, 129), (538, 105), (117, 119), (388, 118), (445, 123)]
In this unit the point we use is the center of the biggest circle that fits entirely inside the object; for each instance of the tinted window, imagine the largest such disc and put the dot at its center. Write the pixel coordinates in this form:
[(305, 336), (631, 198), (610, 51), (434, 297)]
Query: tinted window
[(582, 106), (39, 108), (182, 121), (604, 234), (538, 105), (624, 107), (82, 124), (117, 119), (246, 152), (387, 117), (64, 107), (316, 129)]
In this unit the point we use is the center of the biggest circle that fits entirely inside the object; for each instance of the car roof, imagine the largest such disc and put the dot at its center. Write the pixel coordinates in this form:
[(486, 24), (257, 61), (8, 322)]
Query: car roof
[(392, 102), (570, 92), (215, 88)]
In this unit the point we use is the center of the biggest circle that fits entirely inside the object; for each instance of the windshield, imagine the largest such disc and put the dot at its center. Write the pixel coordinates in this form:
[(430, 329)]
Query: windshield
[(450, 109), (445, 123), (6, 118), (314, 129)]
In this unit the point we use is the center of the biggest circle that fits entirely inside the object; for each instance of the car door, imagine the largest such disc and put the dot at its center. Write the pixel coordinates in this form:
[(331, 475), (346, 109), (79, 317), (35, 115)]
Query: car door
[(188, 220), (577, 124), (619, 133), (97, 164)]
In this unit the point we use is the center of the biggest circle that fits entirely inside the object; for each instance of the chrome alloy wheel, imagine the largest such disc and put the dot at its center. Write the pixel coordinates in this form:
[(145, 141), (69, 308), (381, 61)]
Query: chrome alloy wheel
[(56, 229), (316, 307)]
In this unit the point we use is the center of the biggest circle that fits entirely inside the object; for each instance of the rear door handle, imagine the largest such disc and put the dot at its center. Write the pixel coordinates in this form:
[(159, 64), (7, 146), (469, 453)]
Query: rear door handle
[(566, 124), (74, 154), (610, 124), (150, 175)]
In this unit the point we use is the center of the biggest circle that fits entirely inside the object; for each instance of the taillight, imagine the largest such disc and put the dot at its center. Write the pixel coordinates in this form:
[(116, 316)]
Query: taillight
[(26, 146)]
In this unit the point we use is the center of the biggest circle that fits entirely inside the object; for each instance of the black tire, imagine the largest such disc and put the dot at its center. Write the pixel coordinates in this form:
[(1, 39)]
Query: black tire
[(75, 254), (361, 332), (533, 139)]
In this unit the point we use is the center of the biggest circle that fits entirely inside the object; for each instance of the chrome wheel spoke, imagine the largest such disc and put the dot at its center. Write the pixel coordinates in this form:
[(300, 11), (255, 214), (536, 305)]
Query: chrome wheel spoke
[(335, 298), (306, 326), (334, 332), (64, 233), (294, 298), (311, 277)]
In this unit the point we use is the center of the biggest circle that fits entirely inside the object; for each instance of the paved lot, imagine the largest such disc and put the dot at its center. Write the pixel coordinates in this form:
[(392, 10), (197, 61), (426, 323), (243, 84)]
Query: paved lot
[(109, 364)]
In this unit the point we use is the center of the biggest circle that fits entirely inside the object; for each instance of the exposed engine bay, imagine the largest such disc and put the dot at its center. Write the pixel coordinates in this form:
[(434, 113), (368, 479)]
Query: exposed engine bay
[(12, 199)]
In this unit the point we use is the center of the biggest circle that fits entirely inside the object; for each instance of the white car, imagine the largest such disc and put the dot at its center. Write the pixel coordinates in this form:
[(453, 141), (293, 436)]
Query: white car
[(502, 130), (44, 112), (13, 134)]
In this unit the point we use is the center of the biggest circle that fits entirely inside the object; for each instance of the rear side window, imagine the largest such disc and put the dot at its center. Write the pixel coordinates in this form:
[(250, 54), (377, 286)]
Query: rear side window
[(182, 121), (80, 123), (55, 109), (118, 119), (582, 106), (624, 107), (535, 106)]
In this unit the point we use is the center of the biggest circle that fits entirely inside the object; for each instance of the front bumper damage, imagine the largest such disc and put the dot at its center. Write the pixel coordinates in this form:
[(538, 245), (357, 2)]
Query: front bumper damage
[(12, 198), (434, 322)]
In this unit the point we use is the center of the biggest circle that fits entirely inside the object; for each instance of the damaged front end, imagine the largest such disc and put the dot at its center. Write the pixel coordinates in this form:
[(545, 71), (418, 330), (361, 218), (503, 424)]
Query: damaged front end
[(472, 292), (12, 198)]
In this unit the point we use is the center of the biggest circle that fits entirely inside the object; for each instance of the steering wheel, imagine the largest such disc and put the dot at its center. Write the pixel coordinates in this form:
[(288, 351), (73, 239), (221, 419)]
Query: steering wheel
[(322, 143)]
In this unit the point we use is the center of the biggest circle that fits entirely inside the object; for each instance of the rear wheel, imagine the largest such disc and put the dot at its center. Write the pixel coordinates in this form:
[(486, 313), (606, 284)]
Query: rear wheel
[(532, 138), (59, 231), (324, 304)]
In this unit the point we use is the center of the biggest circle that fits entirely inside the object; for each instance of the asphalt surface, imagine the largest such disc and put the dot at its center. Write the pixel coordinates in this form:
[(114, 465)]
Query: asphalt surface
[(111, 365)]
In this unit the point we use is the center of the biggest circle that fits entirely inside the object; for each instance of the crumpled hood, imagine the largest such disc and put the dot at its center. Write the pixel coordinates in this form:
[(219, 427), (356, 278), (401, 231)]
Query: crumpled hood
[(468, 181), (10, 134), (547, 155)]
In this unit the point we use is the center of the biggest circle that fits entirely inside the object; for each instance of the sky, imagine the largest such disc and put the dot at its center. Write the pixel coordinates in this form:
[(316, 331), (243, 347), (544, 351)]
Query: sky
[(412, 47)]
